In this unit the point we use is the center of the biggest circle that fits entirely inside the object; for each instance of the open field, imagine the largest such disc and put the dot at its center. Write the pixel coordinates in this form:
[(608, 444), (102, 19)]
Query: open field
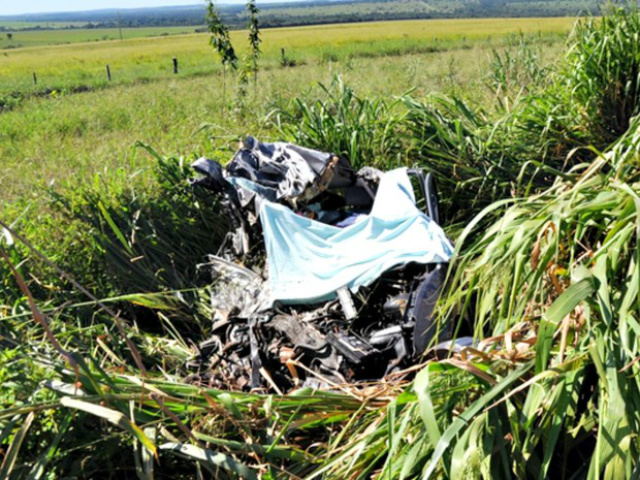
[(63, 134), (79, 134), (83, 65), (13, 25), (36, 38)]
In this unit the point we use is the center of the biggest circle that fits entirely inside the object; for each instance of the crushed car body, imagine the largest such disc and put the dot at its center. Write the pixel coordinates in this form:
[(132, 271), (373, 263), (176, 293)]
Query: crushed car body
[(327, 275)]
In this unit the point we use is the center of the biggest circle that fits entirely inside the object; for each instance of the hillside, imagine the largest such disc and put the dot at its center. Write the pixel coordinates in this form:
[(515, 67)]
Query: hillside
[(307, 12)]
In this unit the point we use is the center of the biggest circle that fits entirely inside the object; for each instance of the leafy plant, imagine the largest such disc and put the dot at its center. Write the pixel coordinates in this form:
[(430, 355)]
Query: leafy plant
[(365, 131), (221, 42), (285, 61), (594, 93), (602, 72), (220, 39), (518, 69)]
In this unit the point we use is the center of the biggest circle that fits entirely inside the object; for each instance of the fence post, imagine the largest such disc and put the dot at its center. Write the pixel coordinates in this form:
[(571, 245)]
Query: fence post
[(175, 65), (108, 73), (35, 79)]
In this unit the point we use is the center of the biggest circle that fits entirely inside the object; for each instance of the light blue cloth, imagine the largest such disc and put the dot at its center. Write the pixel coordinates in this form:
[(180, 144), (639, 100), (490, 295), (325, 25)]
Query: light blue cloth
[(309, 260)]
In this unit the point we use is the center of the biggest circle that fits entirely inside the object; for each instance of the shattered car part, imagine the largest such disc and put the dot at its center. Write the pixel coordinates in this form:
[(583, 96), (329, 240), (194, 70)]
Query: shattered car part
[(363, 267), (291, 170), (351, 347), (346, 302), (237, 290), (455, 346)]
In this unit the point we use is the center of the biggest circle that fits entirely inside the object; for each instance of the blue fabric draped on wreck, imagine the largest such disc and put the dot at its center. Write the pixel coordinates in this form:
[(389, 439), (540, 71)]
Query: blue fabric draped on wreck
[(309, 260)]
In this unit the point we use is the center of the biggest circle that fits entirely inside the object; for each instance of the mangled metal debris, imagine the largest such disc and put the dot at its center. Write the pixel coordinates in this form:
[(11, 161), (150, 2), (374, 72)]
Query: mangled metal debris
[(353, 269)]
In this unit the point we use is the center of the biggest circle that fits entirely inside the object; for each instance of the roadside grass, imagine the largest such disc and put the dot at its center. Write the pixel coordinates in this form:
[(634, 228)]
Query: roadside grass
[(68, 137)]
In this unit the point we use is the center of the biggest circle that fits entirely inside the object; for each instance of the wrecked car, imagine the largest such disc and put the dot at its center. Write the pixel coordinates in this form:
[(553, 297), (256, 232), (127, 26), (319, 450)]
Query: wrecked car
[(327, 275)]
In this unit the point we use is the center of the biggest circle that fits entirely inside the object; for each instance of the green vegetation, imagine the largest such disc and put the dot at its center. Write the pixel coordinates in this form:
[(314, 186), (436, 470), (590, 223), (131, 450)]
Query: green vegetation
[(35, 38), (96, 129), (538, 162), (315, 12), (368, 10), (82, 66), (12, 25)]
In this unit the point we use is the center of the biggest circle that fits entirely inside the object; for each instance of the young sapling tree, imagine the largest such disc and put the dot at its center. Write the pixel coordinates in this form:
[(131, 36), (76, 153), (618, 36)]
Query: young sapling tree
[(221, 42)]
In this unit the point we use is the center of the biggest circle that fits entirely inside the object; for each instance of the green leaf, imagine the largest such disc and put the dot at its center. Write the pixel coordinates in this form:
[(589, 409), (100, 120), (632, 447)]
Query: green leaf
[(463, 421), (114, 228), (560, 308), (427, 411), (113, 416), (211, 459), (11, 457)]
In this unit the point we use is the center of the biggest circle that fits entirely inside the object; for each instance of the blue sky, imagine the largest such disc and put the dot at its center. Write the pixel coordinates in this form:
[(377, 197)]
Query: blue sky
[(14, 7)]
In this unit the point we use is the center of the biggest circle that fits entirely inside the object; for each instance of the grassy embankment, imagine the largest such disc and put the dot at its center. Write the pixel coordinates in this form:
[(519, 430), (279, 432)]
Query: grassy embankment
[(60, 134)]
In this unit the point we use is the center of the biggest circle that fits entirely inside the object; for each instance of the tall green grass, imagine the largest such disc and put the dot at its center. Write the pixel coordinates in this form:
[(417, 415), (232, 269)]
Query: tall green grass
[(365, 131), (544, 119)]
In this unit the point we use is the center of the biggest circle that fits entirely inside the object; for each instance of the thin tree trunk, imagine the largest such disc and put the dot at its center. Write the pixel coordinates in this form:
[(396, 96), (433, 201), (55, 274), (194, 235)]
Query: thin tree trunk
[(224, 91)]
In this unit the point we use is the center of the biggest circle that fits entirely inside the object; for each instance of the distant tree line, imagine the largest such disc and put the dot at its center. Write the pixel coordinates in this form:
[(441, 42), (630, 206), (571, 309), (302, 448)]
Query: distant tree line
[(314, 12)]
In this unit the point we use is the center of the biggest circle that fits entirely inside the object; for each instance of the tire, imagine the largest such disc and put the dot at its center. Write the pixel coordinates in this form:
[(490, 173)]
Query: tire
[(425, 330)]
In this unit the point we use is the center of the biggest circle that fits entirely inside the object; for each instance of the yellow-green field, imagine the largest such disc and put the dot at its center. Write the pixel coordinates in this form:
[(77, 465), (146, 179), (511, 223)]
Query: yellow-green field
[(58, 36), (19, 25), (148, 58)]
